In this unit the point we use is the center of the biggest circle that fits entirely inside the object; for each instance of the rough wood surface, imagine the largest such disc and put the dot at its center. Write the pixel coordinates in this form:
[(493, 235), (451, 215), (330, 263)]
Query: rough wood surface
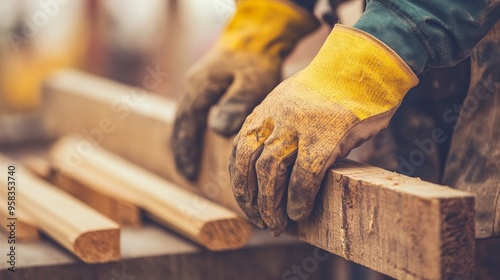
[(122, 212), (207, 223), (400, 226), (90, 236)]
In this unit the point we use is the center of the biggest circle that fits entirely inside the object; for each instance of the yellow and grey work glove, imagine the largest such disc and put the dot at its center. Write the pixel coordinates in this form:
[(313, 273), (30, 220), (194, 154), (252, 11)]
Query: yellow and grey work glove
[(238, 73), (346, 95)]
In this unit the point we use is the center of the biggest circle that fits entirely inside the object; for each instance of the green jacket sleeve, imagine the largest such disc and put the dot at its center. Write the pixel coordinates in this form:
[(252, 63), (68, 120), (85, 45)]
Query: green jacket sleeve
[(306, 4), (430, 33)]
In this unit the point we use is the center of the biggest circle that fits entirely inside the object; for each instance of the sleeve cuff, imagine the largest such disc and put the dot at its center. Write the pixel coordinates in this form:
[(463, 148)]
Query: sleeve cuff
[(396, 32)]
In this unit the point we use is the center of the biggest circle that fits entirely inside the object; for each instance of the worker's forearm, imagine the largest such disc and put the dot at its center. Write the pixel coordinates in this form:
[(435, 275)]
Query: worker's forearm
[(429, 33)]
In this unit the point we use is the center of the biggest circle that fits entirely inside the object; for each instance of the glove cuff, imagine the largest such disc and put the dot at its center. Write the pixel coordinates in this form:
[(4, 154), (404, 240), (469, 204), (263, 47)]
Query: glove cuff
[(270, 27), (367, 75)]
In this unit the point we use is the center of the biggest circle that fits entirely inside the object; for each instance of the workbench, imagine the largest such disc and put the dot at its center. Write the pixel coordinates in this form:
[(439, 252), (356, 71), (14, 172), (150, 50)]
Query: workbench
[(153, 252)]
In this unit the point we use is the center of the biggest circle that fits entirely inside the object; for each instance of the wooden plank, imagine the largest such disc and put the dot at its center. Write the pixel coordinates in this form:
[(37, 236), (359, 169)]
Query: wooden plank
[(133, 124), (122, 212), (210, 225), (400, 226), (90, 236)]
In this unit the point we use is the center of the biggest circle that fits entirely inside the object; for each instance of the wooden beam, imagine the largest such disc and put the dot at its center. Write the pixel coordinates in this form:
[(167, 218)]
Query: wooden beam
[(207, 223), (400, 226), (397, 225), (122, 212), (132, 123), (90, 236)]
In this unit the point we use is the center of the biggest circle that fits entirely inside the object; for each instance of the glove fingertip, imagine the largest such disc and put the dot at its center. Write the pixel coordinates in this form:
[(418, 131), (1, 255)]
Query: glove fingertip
[(190, 172), (226, 123), (298, 214), (276, 233), (278, 229), (259, 223), (184, 164)]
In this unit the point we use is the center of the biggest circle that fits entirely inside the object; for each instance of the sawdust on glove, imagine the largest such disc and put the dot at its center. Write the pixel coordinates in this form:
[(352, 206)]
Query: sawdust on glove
[(346, 95), (244, 66)]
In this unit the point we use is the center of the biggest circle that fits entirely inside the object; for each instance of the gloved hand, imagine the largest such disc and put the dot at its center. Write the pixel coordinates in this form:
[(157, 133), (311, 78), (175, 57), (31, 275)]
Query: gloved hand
[(346, 95), (238, 73)]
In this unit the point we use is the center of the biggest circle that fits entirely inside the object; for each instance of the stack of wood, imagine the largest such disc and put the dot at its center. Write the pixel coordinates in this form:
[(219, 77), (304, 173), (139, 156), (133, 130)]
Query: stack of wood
[(400, 226), (80, 200), (89, 235)]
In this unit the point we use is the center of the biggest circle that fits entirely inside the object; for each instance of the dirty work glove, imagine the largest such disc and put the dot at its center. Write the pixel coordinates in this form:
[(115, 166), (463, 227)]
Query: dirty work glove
[(238, 73), (346, 95)]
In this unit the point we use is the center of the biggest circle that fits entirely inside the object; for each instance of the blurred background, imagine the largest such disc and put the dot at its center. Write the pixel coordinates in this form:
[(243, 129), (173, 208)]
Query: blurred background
[(124, 41), (121, 40)]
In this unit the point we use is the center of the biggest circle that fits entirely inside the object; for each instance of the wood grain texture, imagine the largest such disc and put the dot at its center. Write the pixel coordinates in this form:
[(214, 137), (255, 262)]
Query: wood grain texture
[(134, 124), (90, 236), (207, 223), (400, 226), (120, 211), (397, 225)]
